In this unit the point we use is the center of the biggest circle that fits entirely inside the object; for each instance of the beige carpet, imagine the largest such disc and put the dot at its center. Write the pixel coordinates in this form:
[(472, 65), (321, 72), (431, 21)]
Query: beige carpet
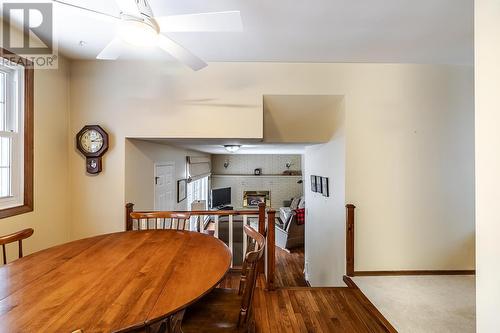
[(425, 304)]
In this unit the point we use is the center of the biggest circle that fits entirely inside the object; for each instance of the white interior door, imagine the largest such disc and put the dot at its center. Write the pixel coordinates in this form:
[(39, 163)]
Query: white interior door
[(165, 198)]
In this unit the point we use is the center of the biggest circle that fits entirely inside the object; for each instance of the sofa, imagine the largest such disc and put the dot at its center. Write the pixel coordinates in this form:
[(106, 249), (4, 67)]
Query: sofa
[(290, 234)]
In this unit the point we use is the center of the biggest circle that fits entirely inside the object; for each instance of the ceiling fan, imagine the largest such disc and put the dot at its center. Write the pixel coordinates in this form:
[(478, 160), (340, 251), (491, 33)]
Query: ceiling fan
[(138, 26)]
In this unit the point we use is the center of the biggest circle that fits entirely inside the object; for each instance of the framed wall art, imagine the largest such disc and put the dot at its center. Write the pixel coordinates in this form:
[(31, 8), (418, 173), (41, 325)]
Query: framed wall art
[(313, 183), (181, 190), (325, 186)]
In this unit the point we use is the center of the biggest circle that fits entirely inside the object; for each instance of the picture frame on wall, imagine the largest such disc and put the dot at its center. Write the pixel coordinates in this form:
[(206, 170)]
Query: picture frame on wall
[(325, 185), (181, 190), (319, 184), (313, 183)]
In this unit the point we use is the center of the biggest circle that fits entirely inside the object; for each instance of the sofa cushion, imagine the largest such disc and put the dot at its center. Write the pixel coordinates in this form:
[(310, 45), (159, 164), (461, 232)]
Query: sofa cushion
[(302, 203), (285, 215), (295, 203)]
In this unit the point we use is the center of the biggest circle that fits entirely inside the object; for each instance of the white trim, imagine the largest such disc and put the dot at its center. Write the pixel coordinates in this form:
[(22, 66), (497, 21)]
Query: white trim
[(14, 97), (155, 166)]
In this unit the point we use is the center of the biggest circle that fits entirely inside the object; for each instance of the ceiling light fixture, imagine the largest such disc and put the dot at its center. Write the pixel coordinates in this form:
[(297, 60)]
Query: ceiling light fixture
[(232, 148), (138, 32)]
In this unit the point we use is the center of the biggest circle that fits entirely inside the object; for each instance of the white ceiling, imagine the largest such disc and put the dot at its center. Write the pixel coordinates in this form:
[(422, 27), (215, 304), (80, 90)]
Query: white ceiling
[(216, 146), (400, 31)]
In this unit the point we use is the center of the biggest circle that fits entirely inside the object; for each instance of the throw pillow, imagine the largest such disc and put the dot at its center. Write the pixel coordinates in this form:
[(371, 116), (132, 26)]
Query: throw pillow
[(300, 215)]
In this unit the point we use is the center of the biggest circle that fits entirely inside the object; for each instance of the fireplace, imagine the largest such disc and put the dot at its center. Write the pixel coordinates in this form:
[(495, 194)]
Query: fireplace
[(254, 198)]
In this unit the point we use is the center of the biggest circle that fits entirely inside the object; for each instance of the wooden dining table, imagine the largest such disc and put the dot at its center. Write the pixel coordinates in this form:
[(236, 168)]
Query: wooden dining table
[(109, 283)]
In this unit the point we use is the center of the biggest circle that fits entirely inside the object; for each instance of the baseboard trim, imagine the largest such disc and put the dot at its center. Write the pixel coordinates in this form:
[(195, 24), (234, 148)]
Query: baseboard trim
[(368, 305), (417, 272)]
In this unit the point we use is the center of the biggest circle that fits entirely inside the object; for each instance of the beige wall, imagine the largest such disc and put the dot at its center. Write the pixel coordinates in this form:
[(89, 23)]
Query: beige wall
[(410, 168), (140, 159), (298, 118), (409, 141), (487, 57), (50, 218)]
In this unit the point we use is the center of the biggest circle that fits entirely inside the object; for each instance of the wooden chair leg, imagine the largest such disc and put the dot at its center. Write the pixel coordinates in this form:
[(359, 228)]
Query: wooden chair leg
[(4, 255), (172, 324), (20, 248)]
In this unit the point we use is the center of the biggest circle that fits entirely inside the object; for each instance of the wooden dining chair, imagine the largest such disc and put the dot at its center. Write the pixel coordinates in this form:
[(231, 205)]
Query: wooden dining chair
[(15, 237), (159, 220), (227, 310)]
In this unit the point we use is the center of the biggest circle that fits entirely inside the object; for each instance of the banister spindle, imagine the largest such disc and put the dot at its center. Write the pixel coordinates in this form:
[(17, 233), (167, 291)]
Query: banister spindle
[(271, 259), (216, 232), (231, 237)]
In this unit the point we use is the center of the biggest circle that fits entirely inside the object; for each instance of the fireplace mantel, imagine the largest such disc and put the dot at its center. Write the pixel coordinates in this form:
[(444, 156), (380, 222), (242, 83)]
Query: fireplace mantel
[(253, 198)]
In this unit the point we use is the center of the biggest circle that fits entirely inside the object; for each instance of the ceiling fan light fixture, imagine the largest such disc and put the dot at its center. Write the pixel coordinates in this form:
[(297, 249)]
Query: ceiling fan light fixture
[(138, 32), (232, 148)]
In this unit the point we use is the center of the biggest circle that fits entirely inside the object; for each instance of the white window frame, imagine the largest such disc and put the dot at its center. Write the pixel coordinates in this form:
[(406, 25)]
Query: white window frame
[(21, 199), (204, 181), (14, 107)]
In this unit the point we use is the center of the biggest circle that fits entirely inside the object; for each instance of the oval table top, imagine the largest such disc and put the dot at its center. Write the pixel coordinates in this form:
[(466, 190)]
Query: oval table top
[(110, 282)]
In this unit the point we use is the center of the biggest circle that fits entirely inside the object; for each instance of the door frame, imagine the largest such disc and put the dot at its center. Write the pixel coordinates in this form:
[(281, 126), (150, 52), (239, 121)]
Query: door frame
[(155, 166)]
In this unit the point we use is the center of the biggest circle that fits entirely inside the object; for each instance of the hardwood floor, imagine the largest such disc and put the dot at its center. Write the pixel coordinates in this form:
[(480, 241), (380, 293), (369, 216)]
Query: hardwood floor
[(318, 310), (290, 268), (294, 307), (312, 310)]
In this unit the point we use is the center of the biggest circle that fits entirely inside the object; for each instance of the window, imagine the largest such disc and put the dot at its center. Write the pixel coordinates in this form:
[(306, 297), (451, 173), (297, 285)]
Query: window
[(198, 190), (16, 136)]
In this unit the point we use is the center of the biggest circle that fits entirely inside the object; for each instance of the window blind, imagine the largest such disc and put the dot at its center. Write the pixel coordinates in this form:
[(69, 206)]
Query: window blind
[(198, 167)]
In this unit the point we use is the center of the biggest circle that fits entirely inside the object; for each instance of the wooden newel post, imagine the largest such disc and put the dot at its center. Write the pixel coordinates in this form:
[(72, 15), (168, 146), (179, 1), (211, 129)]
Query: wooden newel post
[(262, 230), (271, 257), (129, 208), (350, 239)]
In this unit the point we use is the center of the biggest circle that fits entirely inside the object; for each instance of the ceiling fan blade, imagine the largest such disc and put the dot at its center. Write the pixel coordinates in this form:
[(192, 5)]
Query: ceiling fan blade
[(128, 7), (216, 21), (88, 10), (180, 53), (112, 51)]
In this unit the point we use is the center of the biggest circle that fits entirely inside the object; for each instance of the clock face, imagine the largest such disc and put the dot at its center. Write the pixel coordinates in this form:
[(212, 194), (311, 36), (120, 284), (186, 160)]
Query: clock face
[(91, 141)]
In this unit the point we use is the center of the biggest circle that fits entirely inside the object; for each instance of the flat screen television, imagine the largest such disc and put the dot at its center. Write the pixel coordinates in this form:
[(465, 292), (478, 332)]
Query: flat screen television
[(221, 197)]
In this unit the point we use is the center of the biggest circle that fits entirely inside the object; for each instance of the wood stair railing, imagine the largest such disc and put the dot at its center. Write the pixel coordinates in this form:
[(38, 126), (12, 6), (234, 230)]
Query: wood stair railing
[(350, 240)]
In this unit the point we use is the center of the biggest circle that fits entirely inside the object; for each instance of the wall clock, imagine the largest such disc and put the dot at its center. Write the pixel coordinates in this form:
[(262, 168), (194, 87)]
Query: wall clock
[(92, 141)]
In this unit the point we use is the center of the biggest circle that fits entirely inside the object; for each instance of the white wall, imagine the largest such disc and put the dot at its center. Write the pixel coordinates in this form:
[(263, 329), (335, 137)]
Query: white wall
[(271, 164), (325, 216), (409, 143), (487, 165), (140, 159)]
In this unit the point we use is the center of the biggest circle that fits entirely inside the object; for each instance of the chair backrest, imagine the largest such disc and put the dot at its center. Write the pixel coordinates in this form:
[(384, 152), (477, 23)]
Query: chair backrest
[(15, 237), (255, 253), (160, 220)]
